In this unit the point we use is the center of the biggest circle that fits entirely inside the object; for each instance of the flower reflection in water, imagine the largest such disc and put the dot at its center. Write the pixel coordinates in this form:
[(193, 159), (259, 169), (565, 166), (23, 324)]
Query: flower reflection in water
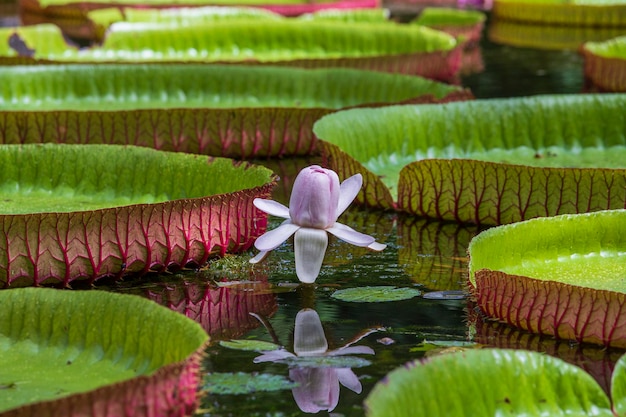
[(319, 386)]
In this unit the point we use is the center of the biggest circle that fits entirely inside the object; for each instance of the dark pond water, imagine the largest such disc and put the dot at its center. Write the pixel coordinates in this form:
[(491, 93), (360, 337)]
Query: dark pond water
[(420, 254)]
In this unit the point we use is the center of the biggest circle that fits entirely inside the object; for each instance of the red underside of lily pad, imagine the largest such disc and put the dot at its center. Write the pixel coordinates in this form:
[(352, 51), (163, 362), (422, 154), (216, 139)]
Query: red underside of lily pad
[(553, 308), (57, 248), (170, 392), (605, 74)]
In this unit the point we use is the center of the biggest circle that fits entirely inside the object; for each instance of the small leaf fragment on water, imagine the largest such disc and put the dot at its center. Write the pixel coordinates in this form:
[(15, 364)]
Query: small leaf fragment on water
[(375, 294), (253, 345), (245, 383)]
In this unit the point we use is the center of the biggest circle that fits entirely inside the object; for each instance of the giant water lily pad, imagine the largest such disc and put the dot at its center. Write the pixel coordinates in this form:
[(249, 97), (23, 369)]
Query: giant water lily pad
[(93, 353), (605, 64), (491, 382), (484, 161), (562, 276), (87, 211), (76, 9), (408, 49), (563, 12), (221, 110), (551, 37)]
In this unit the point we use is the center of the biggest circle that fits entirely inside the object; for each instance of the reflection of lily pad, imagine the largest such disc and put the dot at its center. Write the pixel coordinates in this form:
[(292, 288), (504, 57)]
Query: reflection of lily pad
[(253, 345), (376, 294), (489, 382), (574, 13), (221, 110), (64, 352), (605, 64), (408, 49), (562, 276), (484, 161), (87, 211), (325, 361), (244, 383)]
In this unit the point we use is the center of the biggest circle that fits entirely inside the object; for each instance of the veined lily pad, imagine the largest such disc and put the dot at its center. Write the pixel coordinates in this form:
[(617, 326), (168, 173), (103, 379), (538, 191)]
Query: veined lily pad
[(75, 8), (551, 37), (605, 64), (408, 49), (489, 382), (94, 353), (221, 110), (244, 383), (464, 24), (563, 276), (563, 12), (376, 294), (484, 161), (87, 211), (224, 312)]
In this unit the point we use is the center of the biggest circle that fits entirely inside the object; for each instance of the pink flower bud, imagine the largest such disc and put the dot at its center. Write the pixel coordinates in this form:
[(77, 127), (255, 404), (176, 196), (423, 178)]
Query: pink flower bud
[(315, 198)]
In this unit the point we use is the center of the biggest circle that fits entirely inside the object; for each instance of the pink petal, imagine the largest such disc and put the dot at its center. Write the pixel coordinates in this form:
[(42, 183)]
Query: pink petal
[(318, 389), (272, 239), (348, 192), (271, 207), (310, 247), (350, 235), (315, 197), (348, 379)]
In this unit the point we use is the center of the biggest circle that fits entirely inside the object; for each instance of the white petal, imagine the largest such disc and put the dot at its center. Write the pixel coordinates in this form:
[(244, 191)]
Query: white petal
[(310, 247), (272, 239), (271, 207), (308, 336), (350, 235), (273, 356), (377, 246), (348, 379), (259, 257), (348, 191)]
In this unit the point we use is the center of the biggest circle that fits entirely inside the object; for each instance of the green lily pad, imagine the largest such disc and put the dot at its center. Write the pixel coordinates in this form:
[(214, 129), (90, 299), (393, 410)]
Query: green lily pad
[(73, 8), (562, 276), (488, 382), (377, 294), (573, 13), (244, 383), (253, 345), (484, 161), (66, 352), (551, 37), (222, 110), (88, 211), (325, 361), (465, 25), (409, 49), (605, 63)]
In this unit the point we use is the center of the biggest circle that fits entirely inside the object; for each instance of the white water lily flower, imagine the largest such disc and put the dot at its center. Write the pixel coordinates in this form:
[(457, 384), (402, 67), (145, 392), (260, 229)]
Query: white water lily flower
[(317, 200)]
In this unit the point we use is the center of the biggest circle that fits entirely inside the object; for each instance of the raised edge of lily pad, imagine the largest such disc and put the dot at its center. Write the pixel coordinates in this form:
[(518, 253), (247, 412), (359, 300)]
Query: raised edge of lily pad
[(222, 110), (465, 25), (574, 13), (407, 49), (605, 64), (488, 382), (94, 353), (550, 37), (89, 211), (484, 161), (562, 276)]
